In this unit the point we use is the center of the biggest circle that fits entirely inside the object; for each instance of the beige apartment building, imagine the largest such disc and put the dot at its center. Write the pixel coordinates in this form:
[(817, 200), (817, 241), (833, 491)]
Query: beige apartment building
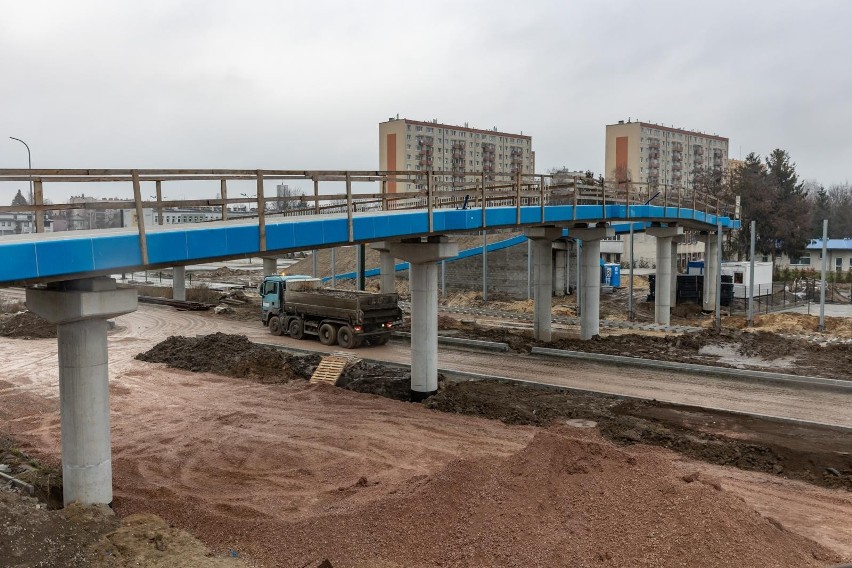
[(662, 156), (416, 146)]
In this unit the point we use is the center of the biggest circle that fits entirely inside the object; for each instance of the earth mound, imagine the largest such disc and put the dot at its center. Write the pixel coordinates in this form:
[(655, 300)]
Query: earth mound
[(26, 325), (567, 499), (232, 356)]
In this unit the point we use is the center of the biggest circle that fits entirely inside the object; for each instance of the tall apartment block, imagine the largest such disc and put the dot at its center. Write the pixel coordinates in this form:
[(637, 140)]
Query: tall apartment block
[(659, 155), (411, 145)]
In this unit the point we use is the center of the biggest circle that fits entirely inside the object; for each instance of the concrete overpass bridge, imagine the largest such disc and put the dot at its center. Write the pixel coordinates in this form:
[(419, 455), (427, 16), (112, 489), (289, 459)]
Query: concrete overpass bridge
[(68, 283)]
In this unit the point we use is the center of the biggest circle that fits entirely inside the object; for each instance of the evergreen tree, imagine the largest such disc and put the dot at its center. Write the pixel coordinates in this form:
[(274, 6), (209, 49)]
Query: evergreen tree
[(19, 200), (790, 220)]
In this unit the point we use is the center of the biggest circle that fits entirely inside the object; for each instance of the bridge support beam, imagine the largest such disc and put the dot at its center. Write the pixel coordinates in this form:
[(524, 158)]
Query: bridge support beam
[(423, 256), (387, 265), (711, 271), (590, 278), (179, 283), (542, 245), (270, 266), (663, 285), (80, 308)]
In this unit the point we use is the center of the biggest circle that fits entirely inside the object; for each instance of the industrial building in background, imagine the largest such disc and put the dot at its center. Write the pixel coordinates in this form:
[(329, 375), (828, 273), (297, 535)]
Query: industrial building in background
[(416, 146), (647, 153)]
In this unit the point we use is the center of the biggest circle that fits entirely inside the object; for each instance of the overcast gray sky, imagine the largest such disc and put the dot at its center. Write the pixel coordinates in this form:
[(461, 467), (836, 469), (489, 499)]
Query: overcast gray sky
[(303, 85)]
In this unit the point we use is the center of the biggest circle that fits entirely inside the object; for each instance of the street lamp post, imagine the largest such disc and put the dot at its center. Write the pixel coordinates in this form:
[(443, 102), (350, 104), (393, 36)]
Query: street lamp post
[(29, 164)]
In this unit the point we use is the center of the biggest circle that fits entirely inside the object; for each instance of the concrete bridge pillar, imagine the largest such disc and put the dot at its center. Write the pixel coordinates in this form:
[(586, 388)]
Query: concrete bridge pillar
[(179, 283), (663, 285), (270, 266), (675, 242), (387, 265), (711, 271), (542, 240), (561, 271), (590, 278), (80, 308), (423, 254)]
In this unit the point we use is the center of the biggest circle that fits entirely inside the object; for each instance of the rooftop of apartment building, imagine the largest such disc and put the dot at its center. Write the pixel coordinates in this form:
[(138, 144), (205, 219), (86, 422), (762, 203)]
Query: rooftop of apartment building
[(669, 128), (466, 128)]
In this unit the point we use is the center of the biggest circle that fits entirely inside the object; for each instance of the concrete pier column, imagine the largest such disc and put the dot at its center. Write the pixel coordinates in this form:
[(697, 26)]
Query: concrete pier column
[(590, 278), (80, 309), (423, 254), (675, 242), (179, 283), (711, 270), (270, 266), (387, 264), (663, 285), (542, 245), (561, 272)]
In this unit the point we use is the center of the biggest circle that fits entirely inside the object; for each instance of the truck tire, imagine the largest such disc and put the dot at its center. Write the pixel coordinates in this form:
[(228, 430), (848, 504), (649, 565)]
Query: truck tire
[(328, 334), (296, 329), (346, 337), (275, 326), (381, 339)]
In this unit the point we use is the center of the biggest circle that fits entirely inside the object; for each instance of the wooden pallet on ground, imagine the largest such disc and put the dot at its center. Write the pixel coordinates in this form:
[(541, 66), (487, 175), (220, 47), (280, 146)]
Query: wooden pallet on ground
[(332, 366)]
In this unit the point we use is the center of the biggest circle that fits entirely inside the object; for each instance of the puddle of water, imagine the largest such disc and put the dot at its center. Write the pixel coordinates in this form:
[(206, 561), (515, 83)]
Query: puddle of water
[(729, 355)]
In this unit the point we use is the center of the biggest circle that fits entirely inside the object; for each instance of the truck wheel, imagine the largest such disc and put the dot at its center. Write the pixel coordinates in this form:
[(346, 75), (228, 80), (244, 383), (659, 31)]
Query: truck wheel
[(381, 339), (327, 334), (296, 328), (275, 326), (346, 337)]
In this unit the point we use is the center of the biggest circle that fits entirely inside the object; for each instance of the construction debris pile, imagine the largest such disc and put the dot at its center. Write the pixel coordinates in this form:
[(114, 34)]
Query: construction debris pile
[(232, 356), (26, 325)]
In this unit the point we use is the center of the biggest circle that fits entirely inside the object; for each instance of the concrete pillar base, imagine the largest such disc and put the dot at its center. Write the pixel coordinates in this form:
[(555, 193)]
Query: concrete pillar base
[(179, 283), (663, 286), (80, 309), (542, 240), (423, 254), (711, 271), (590, 278)]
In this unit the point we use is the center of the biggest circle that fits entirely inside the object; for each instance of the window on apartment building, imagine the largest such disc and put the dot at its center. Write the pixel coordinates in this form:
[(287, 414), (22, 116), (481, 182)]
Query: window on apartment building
[(408, 128), (838, 263), (419, 129), (408, 137)]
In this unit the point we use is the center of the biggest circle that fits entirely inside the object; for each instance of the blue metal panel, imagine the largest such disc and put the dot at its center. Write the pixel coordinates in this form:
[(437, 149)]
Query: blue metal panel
[(113, 251), (558, 213), (499, 216), (66, 256), (243, 240), (308, 234), (279, 236), (167, 246), (18, 262), (206, 243)]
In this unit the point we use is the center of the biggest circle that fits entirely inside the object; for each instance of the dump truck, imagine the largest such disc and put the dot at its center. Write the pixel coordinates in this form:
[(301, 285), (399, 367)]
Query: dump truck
[(300, 307)]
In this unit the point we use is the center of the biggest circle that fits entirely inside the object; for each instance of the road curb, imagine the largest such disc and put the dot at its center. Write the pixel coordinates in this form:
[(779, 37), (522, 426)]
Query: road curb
[(694, 368), (461, 342)]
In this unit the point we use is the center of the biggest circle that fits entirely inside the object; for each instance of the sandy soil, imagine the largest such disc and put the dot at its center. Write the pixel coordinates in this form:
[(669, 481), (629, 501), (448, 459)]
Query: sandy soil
[(250, 466)]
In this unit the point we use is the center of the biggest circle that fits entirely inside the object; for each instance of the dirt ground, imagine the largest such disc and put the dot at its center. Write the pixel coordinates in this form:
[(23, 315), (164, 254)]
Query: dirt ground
[(287, 474), (93, 537)]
